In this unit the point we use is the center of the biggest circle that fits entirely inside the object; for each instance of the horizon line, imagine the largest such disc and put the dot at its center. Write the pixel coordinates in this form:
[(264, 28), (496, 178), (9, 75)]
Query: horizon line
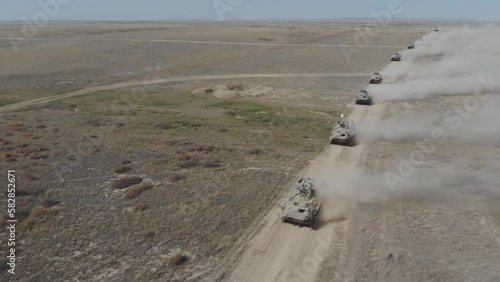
[(345, 19)]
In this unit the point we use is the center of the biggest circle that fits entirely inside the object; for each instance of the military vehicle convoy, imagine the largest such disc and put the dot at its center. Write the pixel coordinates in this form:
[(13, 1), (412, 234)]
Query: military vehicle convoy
[(302, 207), (396, 57), (343, 133), (376, 78), (363, 98)]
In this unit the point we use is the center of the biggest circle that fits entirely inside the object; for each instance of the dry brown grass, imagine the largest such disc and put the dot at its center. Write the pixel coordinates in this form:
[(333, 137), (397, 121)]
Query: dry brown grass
[(150, 234), (36, 215), (136, 191), (212, 164), (37, 156), (126, 182), (31, 177), (255, 151), (26, 225), (122, 169), (45, 212), (49, 203), (188, 164), (177, 177), (99, 122), (178, 259), (141, 207), (236, 87), (164, 126), (11, 159), (42, 149), (184, 157), (29, 135), (201, 148)]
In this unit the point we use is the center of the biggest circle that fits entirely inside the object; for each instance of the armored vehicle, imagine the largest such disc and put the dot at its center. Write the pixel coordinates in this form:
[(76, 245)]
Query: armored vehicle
[(376, 78), (411, 46), (396, 57), (363, 98), (302, 207), (343, 133)]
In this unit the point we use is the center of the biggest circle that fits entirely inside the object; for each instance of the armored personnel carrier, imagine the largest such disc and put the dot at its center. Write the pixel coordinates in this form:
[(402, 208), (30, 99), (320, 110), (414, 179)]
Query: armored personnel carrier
[(396, 57), (343, 133), (363, 98), (376, 78), (302, 207), (411, 46)]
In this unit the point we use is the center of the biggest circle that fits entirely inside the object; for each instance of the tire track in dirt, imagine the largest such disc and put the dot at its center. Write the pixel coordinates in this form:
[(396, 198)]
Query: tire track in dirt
[(24, 104), (346, 250)]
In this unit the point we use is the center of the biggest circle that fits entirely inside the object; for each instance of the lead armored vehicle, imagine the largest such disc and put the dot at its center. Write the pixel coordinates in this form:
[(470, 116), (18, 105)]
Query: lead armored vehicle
[(302, 207), (396, 57), (411, 46), (376, 78), (363, 98), (343, 133)]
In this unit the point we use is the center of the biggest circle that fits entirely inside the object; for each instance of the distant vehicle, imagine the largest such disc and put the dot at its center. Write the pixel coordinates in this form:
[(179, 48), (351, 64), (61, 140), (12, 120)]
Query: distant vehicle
[(343, 133), (363, 98), (376, 78), (396, 57), (436, 30), (411, 46), (302, 206)]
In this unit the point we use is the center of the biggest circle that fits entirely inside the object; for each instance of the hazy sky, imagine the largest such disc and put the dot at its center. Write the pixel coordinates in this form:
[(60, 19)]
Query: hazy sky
[(11, 10)]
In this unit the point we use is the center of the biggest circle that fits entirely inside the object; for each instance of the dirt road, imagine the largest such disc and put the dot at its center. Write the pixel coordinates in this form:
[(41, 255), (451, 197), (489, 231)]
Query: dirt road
[(20, 105), (212, 42), (284, 252)]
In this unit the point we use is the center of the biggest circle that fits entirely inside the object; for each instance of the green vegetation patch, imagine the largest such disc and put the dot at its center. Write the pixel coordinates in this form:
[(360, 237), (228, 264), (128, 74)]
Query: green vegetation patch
[(163, 113)]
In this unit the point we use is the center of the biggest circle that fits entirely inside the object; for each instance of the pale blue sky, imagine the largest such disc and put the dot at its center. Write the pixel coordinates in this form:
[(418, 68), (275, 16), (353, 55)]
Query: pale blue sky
[(12, 10)]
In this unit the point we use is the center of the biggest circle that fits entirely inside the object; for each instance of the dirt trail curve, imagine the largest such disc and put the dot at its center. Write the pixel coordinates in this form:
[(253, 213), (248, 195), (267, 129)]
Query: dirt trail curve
[(24, 104), (284, 252), (208, 42)]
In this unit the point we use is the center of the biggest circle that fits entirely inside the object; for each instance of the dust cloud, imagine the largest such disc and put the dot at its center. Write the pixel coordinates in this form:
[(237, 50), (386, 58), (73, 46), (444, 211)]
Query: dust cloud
[(351, 194), (451, 62), (476, 125), (458, 61)]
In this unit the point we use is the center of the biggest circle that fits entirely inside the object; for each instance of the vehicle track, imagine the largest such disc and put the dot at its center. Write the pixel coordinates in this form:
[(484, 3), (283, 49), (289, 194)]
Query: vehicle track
[(24, 104), (210, 42), (285, 252)]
